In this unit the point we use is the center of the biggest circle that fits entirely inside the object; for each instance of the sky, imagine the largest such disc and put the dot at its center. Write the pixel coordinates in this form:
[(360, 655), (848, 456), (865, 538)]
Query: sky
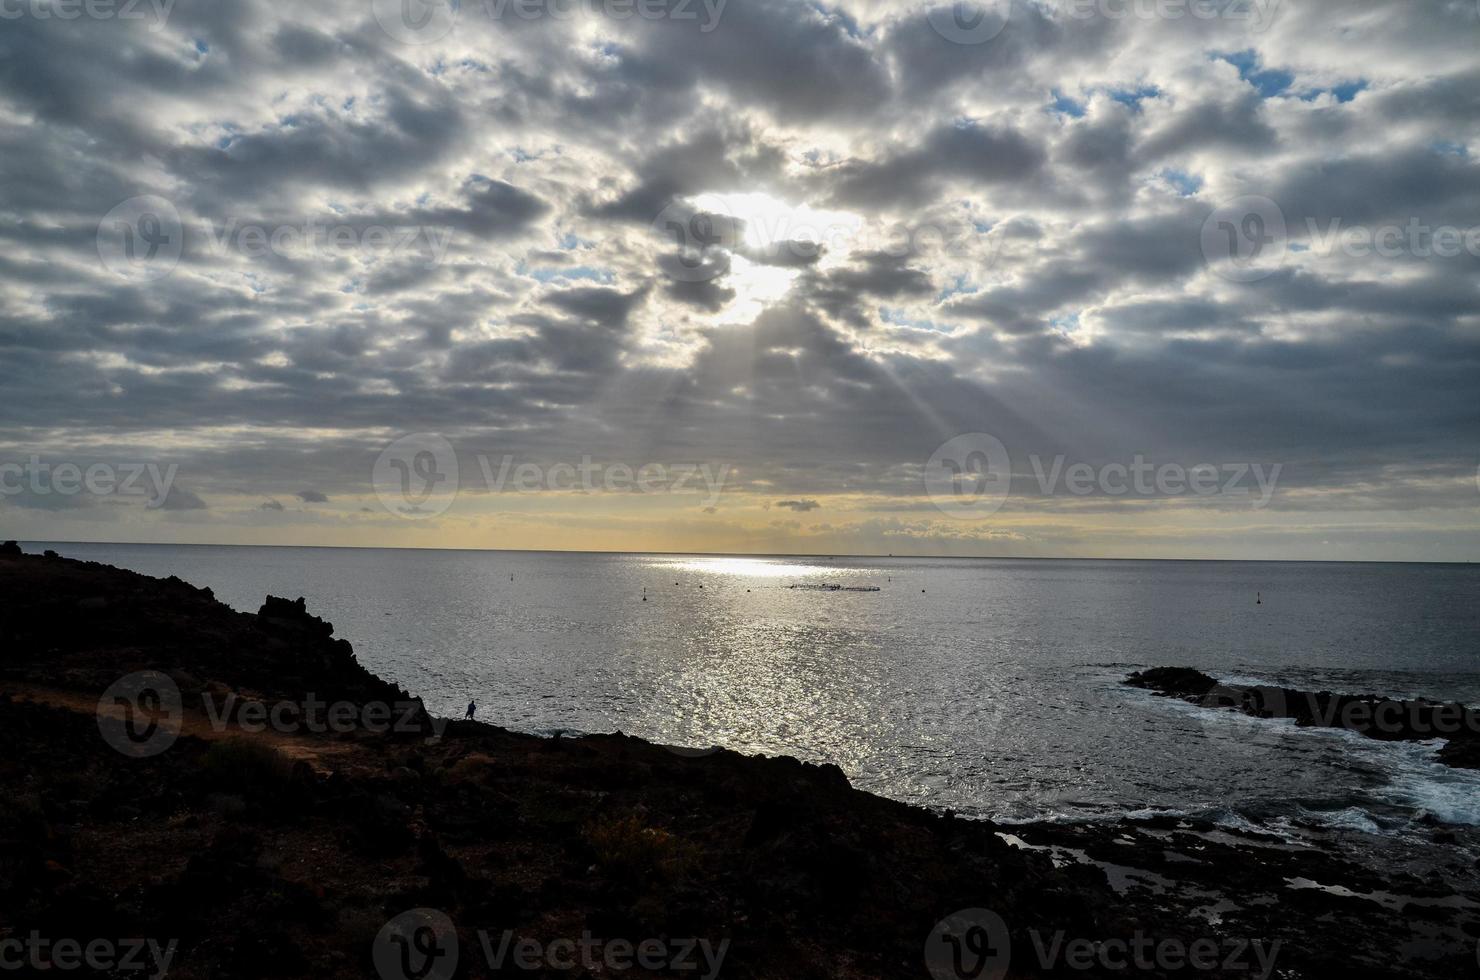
[(1108, 278)]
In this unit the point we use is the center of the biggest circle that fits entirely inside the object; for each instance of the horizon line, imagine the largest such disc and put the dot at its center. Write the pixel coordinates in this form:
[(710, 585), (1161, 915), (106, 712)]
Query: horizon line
[(758, 554)]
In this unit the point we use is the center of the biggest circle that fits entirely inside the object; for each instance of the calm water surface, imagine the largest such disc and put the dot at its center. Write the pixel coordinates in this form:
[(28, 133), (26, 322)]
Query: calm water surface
[(989, 686)]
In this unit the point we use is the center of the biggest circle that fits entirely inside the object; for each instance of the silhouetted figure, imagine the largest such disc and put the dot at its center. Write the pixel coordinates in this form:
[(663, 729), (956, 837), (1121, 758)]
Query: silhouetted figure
[(472, 707), (1258, 598)]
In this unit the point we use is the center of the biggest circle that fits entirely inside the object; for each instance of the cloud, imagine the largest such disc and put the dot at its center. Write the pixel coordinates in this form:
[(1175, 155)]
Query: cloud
[(179, 499), (800, 506), (1015, 242)]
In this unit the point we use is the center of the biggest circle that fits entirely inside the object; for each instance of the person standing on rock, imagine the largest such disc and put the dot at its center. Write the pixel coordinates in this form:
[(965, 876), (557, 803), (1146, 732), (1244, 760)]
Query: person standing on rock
[(472, 707)]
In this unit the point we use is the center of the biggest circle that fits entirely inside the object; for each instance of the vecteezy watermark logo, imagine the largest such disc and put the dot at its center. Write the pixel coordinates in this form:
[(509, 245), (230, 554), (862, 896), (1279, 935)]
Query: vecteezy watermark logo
[(1143, 478), (1244, 718), (318, 716), (140, 714), (424, 21), (973, 944), (39, 478), (702, 233), (618, 10), (422, 944), (590, 953), (154, 11), (1415, 239), (113, 957), (969, 944), (700, 240), (416, 476), (969, 476), (416, 21), (1257, 14), (141, 239), (588, 476), (1244, 239), (417, 945), (971, 21), (1140, 954), (311, 239)]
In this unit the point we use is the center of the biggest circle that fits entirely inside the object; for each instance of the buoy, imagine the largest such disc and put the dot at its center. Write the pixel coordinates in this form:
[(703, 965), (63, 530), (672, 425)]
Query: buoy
[(1258, 598)]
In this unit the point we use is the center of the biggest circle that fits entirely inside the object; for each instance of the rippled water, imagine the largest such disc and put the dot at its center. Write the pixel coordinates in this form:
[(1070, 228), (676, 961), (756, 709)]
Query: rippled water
[(989, 686)]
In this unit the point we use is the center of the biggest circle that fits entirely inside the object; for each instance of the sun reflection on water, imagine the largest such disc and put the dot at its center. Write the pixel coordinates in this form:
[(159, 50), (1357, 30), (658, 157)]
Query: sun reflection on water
[(749, 567)]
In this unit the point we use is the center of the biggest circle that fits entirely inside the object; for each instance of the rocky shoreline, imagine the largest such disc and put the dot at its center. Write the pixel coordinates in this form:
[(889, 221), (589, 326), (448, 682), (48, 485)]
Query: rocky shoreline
[(1386, 719), (241, 790)]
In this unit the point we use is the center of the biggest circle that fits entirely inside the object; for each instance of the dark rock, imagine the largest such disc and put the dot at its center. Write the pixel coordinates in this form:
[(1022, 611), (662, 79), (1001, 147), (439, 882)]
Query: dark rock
[(1181, 682), (1386, 719), (294, 613)]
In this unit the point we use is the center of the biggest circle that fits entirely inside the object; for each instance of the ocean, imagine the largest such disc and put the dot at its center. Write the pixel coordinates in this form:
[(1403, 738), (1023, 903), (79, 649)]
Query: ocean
[(991, 687)]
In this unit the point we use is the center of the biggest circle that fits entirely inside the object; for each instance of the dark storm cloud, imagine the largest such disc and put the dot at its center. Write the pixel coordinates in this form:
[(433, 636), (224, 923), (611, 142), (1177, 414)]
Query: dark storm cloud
[(927, 62), (323, 147), (488, 209), (797, 62), (706, 294), (845, 292), (981, 154), (609, 307), (703, 161), (1238, 125), (178, 498)]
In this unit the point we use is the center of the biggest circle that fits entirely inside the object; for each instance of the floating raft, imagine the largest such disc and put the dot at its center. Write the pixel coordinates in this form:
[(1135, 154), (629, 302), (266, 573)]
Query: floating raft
[(838, 588)]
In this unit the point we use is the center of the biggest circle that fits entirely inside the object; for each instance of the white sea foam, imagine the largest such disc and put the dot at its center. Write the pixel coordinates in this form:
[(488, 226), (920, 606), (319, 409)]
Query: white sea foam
[(1347, 818), (1430, 787), (1248, 680)]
